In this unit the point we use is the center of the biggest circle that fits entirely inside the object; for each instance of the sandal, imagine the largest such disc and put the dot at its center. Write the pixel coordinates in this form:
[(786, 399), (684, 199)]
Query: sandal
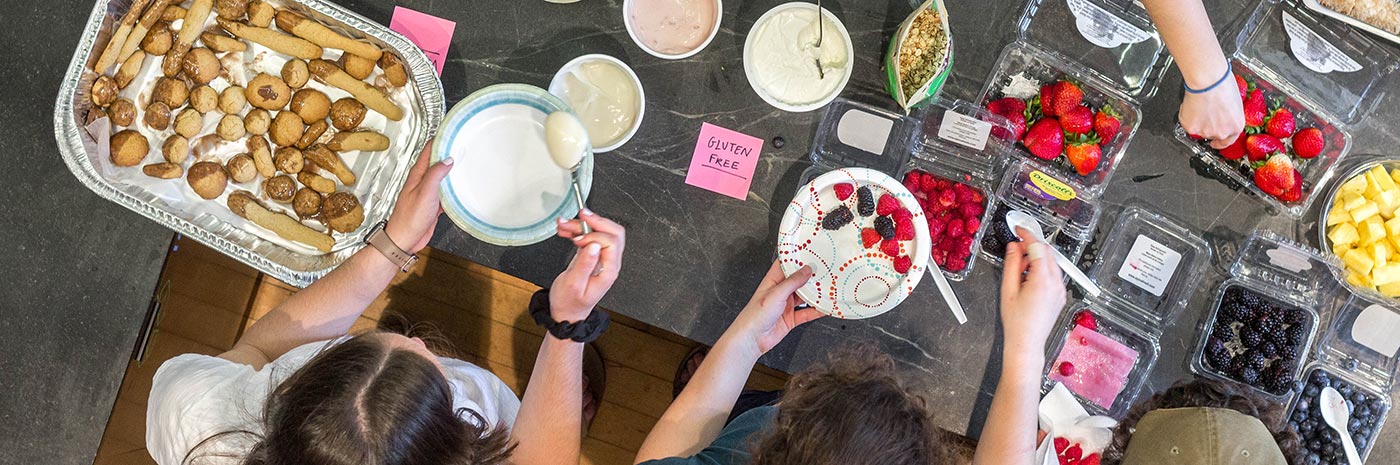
[(594, 381), (689, 365)]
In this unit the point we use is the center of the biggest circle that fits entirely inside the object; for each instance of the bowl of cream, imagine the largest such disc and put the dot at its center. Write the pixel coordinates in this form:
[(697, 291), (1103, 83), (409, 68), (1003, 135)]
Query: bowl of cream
[(672, 29), (784, 64), (605, 94)]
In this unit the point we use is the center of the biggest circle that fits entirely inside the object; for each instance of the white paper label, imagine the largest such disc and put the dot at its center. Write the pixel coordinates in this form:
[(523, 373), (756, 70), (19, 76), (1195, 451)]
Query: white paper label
[(1288, 260), (1150, 265), (1378, 329), (1313, 51), (1102, 28), (964, 130), (864, 131)]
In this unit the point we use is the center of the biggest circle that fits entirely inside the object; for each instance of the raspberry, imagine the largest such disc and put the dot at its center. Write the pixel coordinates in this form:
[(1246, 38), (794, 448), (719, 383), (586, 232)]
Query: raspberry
[(939, 256), (890, 247), (869, 237), (839, 217), (911, 182), (970, 210), (902, 264), (865, 201), (962, 192), (977, 197), (956, 264), (901, 215), (971, 225), (1074, 453), (961, 252), (947, 198), (886, 205), (956, 228), (936, 226), (1060, 445), (1092, 459), (927, 183), (1087, 320), (885, 226), (843, 190), (904, 230)]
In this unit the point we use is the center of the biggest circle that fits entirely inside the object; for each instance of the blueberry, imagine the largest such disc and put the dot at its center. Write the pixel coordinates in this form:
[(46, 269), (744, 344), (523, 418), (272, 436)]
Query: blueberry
[(779, 142), (1349, 364), (1350, 405), (1315, 445), (1303, 406), (1298, 417), (1311, 391), (1313, 459), (1360, 443), (1329, 449), (1354, 425)]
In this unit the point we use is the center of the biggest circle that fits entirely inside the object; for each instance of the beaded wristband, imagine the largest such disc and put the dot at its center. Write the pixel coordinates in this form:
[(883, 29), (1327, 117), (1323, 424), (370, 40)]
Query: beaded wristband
[(1229, 71)]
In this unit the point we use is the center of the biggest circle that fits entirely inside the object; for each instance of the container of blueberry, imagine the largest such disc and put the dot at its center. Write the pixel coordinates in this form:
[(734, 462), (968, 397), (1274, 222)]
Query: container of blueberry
[(1265, 318), (1104, 349), (1067, 214), (1357, 357)]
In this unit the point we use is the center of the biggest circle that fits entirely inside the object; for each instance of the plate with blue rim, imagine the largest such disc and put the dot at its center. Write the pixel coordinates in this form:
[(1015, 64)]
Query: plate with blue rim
[(504, 187)]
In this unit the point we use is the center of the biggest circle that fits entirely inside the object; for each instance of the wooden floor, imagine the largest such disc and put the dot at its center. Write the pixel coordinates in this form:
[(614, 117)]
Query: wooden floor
[(479, 311)]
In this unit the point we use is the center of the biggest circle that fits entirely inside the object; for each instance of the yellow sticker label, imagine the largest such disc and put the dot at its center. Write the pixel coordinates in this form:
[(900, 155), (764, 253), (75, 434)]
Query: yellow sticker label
[(1052, 186)]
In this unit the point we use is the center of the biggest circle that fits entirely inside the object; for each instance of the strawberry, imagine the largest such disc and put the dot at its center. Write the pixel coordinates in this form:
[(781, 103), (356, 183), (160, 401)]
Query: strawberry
[(1236, 150), (1006, 106), (1084, 154), (904, 230), (1045, 139), (1276, 176), (1060, 445), (1243, 85), (890, 247), (1106, 123), (1294, 193), (1063, 97), (1078, 120), (1086, 319), (886, 205), (868, 237), (1308, 142), (1255, 109), (1018, 128), (902, 264), (1047, 98), (1259, 146), (1280, 124), (844, 190)]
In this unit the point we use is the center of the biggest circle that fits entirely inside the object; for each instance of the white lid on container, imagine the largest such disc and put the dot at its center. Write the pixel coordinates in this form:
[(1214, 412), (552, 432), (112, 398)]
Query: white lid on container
[(1364, 339), (1149, 268), (1114, 39)]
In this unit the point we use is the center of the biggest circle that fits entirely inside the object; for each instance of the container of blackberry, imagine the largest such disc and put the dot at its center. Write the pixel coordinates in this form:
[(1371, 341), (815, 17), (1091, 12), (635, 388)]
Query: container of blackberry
[(1067, 214), (1265, 318), (953, 141), (1357, 356), (1148, 270)]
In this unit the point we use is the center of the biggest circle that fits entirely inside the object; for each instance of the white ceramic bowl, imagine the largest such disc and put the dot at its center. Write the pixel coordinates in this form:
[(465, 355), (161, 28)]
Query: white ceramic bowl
[(627, 20), (763, 93), (556, 87)]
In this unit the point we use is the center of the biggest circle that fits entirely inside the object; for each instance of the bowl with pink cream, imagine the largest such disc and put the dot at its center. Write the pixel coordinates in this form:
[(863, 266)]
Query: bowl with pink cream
[(672, 29)]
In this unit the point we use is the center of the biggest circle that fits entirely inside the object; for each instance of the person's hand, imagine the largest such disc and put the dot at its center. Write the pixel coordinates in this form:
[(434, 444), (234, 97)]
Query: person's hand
[(771, 313), (593, 269), (1032, 294), (417, 209), (1217, 115)]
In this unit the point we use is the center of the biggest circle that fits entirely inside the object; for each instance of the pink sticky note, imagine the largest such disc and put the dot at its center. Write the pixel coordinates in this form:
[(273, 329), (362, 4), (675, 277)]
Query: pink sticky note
[(430, 33), (724, 161)]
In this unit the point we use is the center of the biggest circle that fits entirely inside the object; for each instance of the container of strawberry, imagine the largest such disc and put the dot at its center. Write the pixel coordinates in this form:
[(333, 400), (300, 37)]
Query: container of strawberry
[(1299, 108), (1066, 212), (1075, 116), (1104, 347)]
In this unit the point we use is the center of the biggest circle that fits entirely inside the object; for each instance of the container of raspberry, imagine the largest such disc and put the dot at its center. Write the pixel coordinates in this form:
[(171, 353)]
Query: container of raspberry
[(1306, 83), (1104, 349), (1264, 320), (1066, 213)]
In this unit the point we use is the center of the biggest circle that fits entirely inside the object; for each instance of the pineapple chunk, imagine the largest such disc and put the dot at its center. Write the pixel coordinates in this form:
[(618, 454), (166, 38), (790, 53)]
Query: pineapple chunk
[(1380, 252), (1395, 175), (1341, 249), (1371, 231), (1352, 200), (1390, 290), (1343, 234), (1383, 180), (1358, 261), (1357, 185), (1386, 274), (1392, 228), (1365, 211), (1387, 202), (1358, 280), (1337, 215), (1372, 188)]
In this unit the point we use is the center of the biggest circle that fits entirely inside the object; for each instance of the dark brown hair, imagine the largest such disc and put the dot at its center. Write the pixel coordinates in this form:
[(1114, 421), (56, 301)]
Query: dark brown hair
[(1213, 394), (363, 402), (852, 410)]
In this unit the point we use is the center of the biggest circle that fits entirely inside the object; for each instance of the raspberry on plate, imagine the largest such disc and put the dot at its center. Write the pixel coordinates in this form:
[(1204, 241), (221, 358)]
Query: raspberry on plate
[(890, 247), (902, 263), (843, 190), (886, 205), (869, 237)]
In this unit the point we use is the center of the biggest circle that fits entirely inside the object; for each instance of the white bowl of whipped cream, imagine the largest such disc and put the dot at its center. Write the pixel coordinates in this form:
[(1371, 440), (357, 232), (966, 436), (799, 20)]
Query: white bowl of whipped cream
[(672, 29), (784, 64), (605, 94)]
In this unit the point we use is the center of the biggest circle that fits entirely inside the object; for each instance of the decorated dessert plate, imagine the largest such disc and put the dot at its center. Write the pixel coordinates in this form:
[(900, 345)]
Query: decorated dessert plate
[(850, 279), (505, 188)]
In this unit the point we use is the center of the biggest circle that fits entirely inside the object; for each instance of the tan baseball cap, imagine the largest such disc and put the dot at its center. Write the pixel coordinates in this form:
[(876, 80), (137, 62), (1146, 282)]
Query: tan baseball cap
[(1201, 436)]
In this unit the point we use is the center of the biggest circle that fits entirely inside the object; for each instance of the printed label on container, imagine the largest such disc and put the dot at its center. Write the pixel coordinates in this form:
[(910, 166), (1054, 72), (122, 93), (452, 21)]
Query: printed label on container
[(1051, 186), (1102, 28), (1150, 265), (1377, 328), (864, 131), (1313, 51), (964, 130), (1289, 260)]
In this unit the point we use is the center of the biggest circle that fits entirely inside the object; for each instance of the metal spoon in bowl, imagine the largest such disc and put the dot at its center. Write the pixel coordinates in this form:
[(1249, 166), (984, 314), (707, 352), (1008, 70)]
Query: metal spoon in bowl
[(1019, 219), (1336, 414), (568, 143), (821, 32)]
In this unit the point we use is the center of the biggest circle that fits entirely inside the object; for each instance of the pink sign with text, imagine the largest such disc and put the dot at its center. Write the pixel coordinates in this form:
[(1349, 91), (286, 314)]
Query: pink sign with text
[(724, 161), (430, 33)]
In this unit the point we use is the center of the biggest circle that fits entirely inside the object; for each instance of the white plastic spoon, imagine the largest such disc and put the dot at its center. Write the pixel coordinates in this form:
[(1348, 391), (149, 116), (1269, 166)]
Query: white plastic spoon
[(1336, 415), (1019, 219), (947, 291), (567, 142)]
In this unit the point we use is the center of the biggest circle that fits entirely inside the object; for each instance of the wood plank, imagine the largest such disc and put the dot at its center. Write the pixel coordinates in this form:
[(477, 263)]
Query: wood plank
[(127, 423), (185, 248), (111, 448), (601, 453), (136, 457), (644, 393), (211, 284), (136, 386), (197, 321), (619, 425)]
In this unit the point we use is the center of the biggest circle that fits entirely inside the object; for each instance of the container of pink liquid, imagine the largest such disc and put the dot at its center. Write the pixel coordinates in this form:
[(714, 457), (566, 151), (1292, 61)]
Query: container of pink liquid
[(672, 29)]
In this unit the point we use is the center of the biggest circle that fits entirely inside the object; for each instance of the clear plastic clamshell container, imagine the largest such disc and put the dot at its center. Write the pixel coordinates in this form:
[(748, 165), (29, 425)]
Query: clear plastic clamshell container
[(1327, 74), (1279, 278), (949, 139), (1066, 212), (1109, 47), (1148, 270)]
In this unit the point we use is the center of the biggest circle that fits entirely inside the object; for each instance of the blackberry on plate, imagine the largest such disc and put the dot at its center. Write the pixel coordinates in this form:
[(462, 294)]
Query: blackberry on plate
[(839, 217), (865, 201), (885, 226), (1250, 337)]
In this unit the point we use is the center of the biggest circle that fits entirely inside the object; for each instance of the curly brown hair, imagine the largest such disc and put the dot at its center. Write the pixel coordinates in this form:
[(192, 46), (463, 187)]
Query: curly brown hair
[(1213, 394), (852, 410)]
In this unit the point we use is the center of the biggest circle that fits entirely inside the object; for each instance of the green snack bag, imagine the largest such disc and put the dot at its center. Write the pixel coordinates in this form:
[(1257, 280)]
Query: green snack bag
[(920, 55)]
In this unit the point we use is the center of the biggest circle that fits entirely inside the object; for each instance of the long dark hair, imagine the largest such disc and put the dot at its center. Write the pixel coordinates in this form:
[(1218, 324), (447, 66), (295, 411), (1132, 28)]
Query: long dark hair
[(1212, 394), (363, 402), (854, 409)]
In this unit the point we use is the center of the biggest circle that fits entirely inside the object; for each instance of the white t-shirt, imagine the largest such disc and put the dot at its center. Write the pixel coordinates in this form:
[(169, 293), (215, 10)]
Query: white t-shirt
[(194, 397)]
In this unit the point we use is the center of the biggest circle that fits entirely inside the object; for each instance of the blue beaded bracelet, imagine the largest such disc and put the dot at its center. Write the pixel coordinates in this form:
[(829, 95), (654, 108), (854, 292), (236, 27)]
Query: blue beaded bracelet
[(1229, 70)]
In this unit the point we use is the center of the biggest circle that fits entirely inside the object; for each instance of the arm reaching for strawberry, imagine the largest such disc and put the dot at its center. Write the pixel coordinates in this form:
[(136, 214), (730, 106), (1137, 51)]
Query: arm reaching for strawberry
[(1218, 113)]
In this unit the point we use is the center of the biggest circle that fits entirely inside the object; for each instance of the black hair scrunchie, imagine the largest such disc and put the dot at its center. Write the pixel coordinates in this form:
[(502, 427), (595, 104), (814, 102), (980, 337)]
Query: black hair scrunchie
[(588, 330)]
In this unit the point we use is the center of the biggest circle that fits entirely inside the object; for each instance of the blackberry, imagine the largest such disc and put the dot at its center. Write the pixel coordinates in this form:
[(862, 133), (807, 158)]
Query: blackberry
[(865, 201), (1236, 311), (1278, 379), (994, 242), (885, 226), (1216, 354), (839, 217), (1269, 349), (1295, 317), (1288, 353), (1223, 330), (1296, 334), (1249, 375), (1264, 322), (1256, 359), (1250, 299), (1237, 364), (1250, 337)]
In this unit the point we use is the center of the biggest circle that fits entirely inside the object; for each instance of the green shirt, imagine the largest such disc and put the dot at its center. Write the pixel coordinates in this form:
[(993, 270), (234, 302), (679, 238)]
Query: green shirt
[(732, 445)]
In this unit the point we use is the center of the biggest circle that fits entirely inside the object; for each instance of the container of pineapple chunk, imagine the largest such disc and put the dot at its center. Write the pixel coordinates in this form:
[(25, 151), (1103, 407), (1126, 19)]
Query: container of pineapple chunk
[(1361, 226)]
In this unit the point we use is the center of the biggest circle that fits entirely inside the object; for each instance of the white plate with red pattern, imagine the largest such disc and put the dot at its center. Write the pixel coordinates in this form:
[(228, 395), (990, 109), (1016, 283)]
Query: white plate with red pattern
[(851, 280)]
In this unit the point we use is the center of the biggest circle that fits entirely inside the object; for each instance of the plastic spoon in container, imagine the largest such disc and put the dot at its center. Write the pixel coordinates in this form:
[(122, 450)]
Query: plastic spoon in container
[(567, 142), (1019, 219), (1336, 414), (947, 291)]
